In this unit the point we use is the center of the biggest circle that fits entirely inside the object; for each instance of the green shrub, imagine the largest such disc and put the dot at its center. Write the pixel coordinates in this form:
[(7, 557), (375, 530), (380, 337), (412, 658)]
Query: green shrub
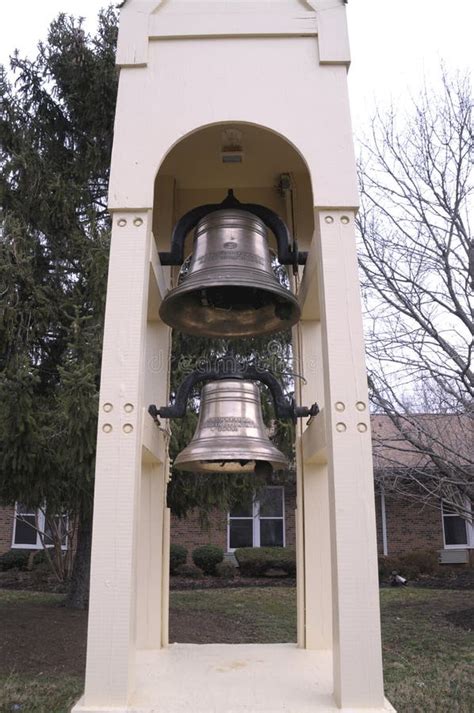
[(412, 565), (387, 565), (15, 559), (40, 558), (226, 570), (178, 556), (417, 563), (207, 557), (256, 561), (189, 570)]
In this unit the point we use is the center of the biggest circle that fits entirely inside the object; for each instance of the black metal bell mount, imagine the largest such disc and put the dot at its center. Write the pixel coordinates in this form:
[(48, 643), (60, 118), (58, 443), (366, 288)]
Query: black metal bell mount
[(285, 408)]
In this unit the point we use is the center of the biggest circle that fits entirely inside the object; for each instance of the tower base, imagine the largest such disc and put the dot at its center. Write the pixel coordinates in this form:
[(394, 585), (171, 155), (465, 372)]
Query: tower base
[(232, 678)]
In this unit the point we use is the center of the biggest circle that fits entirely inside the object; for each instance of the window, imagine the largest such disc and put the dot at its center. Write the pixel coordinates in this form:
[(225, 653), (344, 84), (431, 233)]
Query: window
[(456, 529), (258, 523), (25, 532), (29, 524)]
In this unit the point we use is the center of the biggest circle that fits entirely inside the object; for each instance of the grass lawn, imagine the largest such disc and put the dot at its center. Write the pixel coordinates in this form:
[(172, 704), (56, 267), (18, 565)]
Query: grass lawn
[(428, 660), (428, 657)]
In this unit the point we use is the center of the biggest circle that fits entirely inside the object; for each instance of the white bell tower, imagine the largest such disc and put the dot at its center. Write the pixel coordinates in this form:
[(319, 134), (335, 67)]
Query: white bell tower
[(272, 75)]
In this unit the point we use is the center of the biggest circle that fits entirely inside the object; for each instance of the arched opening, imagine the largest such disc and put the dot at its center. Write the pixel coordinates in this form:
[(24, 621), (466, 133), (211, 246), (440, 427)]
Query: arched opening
[(261, 167), (258, 164)]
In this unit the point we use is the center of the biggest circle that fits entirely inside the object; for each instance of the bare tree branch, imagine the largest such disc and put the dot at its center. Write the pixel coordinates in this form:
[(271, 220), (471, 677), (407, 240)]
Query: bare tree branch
[(416, 256)]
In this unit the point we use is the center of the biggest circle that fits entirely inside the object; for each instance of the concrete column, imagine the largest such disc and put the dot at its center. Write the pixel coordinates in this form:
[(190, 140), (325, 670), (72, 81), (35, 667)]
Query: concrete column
[(357, 658), (112, 624), (150, 556), (315, 556)]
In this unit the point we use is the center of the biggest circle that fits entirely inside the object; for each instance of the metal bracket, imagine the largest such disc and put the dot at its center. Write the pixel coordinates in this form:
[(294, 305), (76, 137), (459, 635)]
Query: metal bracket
[(287, 254), (285, 409)]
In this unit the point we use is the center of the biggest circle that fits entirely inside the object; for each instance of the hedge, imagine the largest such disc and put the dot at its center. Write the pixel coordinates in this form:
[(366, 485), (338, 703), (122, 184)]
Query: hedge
[(178, 556), (189, 570), (411, 565), (207, 557), (15, 559), (226, 570), (257, 561)]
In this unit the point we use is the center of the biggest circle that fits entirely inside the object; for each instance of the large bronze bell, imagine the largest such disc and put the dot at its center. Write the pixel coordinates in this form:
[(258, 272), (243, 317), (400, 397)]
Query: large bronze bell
[(230, 435), (230, 289)]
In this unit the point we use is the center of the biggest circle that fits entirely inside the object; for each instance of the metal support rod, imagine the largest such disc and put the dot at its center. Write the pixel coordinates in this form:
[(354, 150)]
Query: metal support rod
[(284, 408), (287, 255)]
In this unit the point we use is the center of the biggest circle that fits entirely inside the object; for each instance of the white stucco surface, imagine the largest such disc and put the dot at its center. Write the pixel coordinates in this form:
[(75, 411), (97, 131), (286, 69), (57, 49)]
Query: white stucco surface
[(230, 678)]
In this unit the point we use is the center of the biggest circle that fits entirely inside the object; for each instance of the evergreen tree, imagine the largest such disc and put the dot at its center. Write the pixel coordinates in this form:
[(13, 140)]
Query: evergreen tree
[(56, 135), (56, 131)]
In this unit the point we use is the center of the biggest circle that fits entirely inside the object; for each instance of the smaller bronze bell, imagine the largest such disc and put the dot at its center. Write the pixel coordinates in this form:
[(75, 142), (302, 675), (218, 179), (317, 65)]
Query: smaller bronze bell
[(230, 289), (230, 434)]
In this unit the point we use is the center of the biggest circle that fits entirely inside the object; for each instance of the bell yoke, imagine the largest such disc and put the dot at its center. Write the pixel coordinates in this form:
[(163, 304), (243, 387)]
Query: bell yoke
[(230, 290)]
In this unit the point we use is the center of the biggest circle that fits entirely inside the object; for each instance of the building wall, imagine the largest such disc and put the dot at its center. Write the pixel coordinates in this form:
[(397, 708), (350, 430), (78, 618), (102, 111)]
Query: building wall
[(411, 527), (188, 531), (6, 527)]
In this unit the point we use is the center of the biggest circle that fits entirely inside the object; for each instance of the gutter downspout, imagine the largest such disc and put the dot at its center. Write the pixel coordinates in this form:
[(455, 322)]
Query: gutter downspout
[(384, 520)]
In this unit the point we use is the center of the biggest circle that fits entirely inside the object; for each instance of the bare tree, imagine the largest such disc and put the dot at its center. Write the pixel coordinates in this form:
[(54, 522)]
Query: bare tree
[(425, 457), (416, 185), (57, 535)]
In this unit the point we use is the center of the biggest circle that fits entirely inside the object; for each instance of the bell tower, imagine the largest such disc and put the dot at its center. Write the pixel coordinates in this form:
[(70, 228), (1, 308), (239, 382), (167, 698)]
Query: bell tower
[(249, 95)]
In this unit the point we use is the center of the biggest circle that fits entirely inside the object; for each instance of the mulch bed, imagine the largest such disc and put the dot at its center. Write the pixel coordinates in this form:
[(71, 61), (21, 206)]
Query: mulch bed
[(183, 583), (43, 582), (31, 581), (462, 580)]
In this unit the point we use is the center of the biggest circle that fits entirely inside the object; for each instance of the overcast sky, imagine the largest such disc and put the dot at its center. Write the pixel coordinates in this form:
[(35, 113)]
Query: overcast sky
[(394, 43)]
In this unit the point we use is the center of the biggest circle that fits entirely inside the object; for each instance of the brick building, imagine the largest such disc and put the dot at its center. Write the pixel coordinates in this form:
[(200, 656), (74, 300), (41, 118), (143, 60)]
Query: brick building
[(403, 470), (268, 522), (402, 525)]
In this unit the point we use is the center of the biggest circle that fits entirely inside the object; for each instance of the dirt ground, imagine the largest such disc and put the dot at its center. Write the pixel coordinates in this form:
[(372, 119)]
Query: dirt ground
[(42, 582), (464, 579), (463, 618), (63, 633), (213, 628)]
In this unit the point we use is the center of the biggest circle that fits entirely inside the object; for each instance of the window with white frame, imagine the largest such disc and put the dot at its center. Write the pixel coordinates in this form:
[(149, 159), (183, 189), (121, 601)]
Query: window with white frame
[(457, 530), (30, 528), (258, 523)]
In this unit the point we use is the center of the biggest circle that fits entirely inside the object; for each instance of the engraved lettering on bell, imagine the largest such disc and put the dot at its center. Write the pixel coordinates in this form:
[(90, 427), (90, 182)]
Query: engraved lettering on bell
[(223, 255), (229, 423), (230, 435)]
